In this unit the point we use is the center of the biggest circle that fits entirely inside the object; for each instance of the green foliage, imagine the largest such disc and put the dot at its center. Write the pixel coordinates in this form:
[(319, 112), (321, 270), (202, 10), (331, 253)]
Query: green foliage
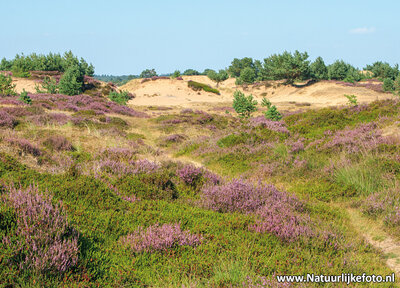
[(221, 76), (238, 65), (273, 114), (244, 105), (340, 70), (190, 72), (265, 102), (6, 86), (318, 69), (286, 66), (232, 140), (200, 86), (247, 75), (148, 73), (21, 64), (176, 74), (71, 83), (49, 85), (383, 70), (117, 80), (352, 99), (121, 98), (25, 98), (396, 85), (388, 85), (19, 72)]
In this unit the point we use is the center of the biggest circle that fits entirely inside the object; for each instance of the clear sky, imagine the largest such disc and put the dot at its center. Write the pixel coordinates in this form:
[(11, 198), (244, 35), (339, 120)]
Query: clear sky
[(126, 37)]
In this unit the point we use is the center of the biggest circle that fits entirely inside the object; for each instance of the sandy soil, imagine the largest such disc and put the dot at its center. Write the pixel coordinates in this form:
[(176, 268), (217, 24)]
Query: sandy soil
[(22, 83), (168, 92)]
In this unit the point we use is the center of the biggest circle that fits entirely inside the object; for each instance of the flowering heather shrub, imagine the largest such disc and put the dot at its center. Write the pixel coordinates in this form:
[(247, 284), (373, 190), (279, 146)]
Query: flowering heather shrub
[(236, 196), (189, 174), (300, 163), (58, 143), (17, 111), (365, 136), (11, 101), (117, 154), (49, 243), (280, 219), (296, 146), (393, 219), (277, 212), (50, 119), (144, 166), (277, 126), (81, 102), (174, 138), (6, 120), (373, 205), (25, 146), (159, 238)]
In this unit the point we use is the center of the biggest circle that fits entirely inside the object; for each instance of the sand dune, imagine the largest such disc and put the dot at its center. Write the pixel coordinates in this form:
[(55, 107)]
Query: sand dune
[(171, 92)]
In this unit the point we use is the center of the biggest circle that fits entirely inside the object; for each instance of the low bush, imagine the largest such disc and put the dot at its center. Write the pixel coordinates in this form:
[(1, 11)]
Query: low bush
[(7, 120), (121, 98), (244, 105), (196, 86), (45, 242), (58, 143), (25, 98), (159, 238), (6, 86)]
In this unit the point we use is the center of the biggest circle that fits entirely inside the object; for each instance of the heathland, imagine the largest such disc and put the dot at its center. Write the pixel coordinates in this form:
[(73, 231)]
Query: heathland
[(219, 180)]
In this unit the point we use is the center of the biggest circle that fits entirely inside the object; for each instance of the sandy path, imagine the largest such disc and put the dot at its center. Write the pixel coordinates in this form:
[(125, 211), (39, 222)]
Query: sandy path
[(378, 238)]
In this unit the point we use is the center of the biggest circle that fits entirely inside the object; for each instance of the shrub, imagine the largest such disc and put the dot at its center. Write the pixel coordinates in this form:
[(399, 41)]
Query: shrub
[(25, 145), (121, 98), (70, 83), (148, 73), (221, 76), (176, 74), (352, 99), (244, 105), (6, 86), (49, 85), (266, 103), (189, 174), (47, 242), (388, 85), (58, 143), (20, 72), (159, 238), (396, 85), (7, 120), (273, 114), (25, 98), (196, 86), (190, 72), (235, 196)]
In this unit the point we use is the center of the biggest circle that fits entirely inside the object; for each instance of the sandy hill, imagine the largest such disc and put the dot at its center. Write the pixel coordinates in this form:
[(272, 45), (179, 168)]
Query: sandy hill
[(172, 92)]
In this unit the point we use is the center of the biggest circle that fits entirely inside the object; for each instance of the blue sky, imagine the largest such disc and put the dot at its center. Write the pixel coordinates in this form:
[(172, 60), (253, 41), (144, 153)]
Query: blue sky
[(126, 37)]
